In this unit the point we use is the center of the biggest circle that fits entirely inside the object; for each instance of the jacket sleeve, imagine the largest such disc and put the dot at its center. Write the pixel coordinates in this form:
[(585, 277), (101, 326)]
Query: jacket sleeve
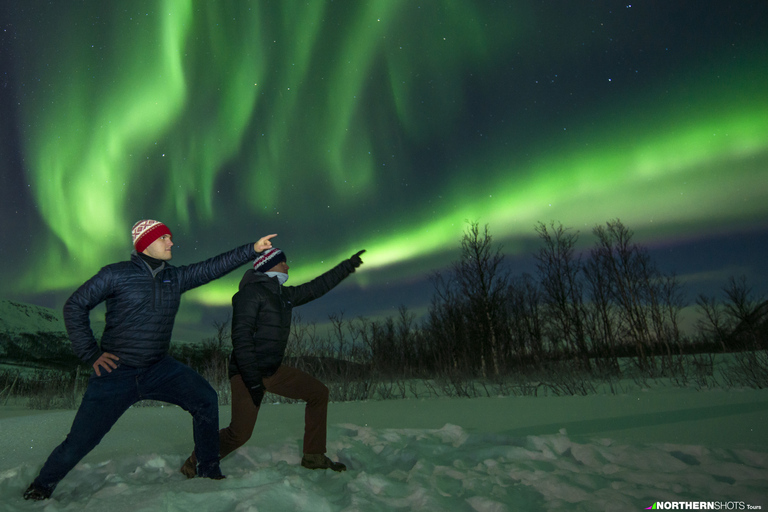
[(245, 311), (77, 315), (198, 274), (320, 285)]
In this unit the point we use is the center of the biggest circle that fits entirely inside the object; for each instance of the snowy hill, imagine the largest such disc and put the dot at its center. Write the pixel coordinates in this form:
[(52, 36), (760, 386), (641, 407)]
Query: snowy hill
[(17, 317), (33, 336)]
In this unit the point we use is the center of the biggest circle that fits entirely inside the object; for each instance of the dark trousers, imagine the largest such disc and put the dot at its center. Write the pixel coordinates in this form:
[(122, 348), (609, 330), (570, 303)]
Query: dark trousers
[(109, 396), (290, 383)]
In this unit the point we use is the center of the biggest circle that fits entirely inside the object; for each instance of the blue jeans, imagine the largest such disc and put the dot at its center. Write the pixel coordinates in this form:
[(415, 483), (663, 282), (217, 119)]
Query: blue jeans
[(109, 396)]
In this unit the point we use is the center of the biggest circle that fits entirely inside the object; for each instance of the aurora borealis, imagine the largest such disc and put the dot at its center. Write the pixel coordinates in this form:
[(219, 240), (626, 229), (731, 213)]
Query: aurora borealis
[(383, 125)]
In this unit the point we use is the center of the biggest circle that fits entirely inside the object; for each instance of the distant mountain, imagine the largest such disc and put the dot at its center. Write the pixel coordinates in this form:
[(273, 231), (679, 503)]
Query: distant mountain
[(33, 336), (17, 317)]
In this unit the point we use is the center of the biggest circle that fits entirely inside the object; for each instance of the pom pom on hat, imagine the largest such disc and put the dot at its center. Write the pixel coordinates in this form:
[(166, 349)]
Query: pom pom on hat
[(147, 231), (268, 259)]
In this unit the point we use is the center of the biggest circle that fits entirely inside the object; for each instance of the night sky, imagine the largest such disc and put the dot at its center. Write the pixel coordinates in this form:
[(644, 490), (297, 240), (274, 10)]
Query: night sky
[(383, 125)]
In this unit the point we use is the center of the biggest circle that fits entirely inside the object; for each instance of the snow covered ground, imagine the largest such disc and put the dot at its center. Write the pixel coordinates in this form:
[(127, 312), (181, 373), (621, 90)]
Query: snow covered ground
[(600, 452)]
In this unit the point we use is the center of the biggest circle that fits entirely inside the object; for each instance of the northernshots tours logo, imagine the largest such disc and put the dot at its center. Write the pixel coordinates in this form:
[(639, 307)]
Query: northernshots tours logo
[(703, 505)]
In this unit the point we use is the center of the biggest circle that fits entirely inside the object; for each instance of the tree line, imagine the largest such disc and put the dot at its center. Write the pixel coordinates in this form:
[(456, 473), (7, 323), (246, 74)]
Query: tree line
[(584, 319)]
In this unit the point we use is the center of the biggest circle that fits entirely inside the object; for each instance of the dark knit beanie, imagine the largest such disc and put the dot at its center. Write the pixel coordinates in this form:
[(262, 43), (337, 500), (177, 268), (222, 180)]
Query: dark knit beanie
[(268, 259)]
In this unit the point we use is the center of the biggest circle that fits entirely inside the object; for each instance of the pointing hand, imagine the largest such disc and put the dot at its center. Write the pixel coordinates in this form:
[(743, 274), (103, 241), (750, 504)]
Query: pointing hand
[(355, 260), (264, 243)]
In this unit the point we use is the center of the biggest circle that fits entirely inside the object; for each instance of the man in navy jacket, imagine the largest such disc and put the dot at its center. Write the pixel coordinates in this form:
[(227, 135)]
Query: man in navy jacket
[(132, 362)]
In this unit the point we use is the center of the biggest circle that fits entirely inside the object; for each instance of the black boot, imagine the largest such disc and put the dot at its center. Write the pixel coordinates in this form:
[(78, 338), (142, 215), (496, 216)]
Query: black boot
[(38, 493), (210, 470), (320, 461)]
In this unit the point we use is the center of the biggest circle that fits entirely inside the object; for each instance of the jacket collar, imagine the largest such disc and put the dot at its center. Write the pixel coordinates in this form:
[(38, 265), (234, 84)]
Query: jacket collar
[(137, 260), (251, 276)]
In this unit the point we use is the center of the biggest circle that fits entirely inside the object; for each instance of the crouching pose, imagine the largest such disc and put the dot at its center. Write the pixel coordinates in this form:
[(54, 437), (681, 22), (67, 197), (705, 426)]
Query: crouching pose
[(261, 323), (132, 363)]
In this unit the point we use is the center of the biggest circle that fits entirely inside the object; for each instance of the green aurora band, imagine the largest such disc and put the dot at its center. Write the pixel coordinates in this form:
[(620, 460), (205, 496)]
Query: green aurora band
[(244, 108)]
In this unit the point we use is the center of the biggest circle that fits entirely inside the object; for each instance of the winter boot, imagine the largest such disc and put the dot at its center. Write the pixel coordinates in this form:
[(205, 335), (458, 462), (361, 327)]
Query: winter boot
[(36, 493), (188, 469), (320, 461), (210, 470)]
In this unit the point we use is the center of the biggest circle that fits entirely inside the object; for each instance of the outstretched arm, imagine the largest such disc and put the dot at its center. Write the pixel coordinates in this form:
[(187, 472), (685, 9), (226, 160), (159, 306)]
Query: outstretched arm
[(198, 274), (324, 283)]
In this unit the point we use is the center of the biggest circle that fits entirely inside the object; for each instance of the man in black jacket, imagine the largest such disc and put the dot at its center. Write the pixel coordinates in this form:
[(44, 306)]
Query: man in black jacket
[(261, 323), (142, 297)]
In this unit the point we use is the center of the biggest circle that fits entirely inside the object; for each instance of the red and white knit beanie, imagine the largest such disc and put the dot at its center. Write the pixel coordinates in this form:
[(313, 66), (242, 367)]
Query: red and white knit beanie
[(268, 259), (147, 231)]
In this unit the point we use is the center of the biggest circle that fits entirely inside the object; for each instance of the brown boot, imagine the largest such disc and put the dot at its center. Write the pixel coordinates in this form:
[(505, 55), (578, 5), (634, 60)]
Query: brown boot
[(320, 461), (189, 469)]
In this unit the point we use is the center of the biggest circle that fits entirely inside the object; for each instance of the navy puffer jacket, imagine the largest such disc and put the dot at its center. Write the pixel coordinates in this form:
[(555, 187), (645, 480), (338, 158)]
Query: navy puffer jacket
[(261, 319), (141, 305)]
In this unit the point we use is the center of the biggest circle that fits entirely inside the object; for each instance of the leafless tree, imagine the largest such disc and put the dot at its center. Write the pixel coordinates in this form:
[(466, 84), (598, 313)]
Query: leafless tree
[(635, 301), (560, 278)]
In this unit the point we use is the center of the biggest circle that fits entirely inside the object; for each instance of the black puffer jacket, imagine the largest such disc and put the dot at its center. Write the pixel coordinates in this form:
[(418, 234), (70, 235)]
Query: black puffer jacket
[(261, 319), (141, 305)]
